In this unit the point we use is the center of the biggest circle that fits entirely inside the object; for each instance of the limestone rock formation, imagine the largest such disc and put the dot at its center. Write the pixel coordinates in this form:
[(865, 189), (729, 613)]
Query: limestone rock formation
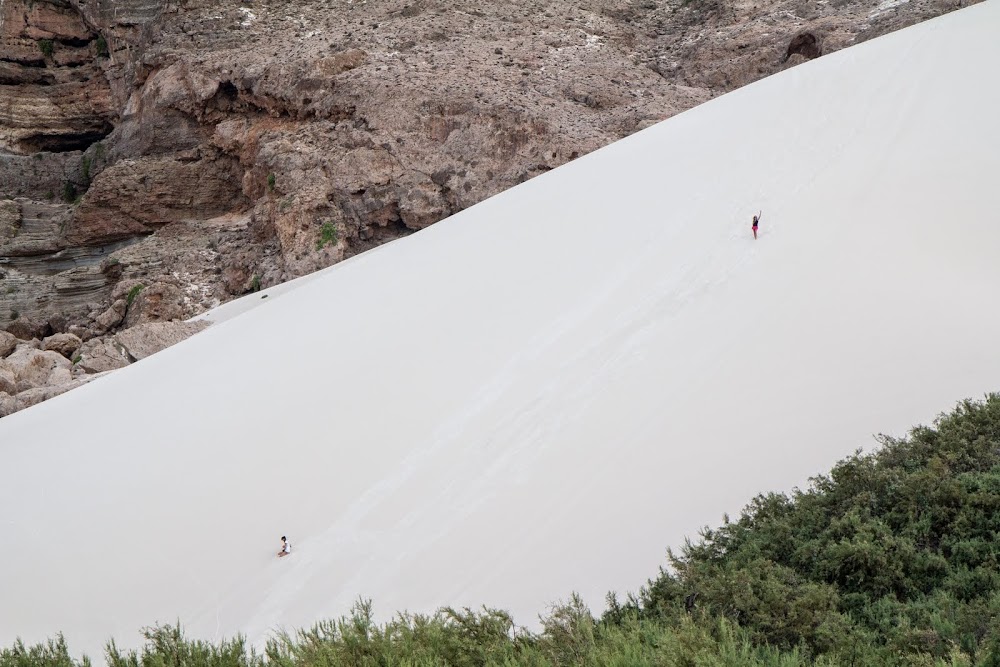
[(65, 344), (142, 340), (8, 343), (56, 96), (100, 355), (34, 371), (35, 368)]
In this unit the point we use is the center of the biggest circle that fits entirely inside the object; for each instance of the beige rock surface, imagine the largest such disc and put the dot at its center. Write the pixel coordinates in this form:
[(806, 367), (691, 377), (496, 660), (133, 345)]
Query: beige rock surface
[(8, 343), (100, 355), (8, 404), (65, 344), (8, 381), (34, 368), (142, 340)]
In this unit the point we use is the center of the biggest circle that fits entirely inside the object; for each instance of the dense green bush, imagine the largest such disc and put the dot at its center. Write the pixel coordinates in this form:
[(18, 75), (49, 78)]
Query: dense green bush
[(891, 559), (898, 547)]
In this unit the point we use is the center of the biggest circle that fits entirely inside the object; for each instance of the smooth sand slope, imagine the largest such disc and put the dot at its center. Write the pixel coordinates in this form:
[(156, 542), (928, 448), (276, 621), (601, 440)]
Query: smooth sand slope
[(544, 392)]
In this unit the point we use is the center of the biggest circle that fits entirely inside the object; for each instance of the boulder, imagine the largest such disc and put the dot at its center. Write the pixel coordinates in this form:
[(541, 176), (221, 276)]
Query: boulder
[(145, 339), (111, 317), (29, 397), (65, 344), (8, 404), (8, 343), (27, 328), (37, 368), (160, 302), (101, 354), (8, 381)]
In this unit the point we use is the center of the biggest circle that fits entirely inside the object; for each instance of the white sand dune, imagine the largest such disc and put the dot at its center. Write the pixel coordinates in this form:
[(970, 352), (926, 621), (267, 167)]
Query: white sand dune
[(542, 393)]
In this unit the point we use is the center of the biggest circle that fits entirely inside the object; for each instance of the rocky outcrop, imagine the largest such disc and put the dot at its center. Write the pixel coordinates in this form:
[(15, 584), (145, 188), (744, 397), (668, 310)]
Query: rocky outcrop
[(65, 344), (56, 97), (134, 198), (36, 368), (33, 371), (100, 355), (8, 343), (143, 340)]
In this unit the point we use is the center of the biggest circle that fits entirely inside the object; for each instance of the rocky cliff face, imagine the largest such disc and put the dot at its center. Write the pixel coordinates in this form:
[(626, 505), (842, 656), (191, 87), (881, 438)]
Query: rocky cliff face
[(201, 149)]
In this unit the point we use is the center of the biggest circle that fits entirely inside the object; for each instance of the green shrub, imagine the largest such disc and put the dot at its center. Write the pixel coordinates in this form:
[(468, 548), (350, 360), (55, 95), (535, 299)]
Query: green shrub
[(69, 192), (271, 181), (47, 47), (897, 546), (102, 46), (133, 293), (327, 235)]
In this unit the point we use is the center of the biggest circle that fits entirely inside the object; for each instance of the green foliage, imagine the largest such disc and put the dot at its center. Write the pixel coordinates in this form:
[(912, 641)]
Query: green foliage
[(69, 192), (255, 283), (271, 181), (53, 653), (132, 293), (77, 359), (166, 646), (47, 47), (896, 548), (102, 46), (14, 315), (327, 235)]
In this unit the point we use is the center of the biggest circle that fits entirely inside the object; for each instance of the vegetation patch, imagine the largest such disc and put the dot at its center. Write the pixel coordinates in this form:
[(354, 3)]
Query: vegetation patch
[(133, 293), (327, 235), (47, 47)]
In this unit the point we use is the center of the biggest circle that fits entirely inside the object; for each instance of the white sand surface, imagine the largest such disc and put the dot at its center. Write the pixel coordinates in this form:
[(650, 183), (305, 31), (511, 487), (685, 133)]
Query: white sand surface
[(543, 393)]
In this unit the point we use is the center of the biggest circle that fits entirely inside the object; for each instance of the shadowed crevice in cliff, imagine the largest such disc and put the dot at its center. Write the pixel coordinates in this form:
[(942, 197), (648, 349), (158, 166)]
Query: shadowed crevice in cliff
[(372, 236), (302, 101), (64, 142), (806, 44)]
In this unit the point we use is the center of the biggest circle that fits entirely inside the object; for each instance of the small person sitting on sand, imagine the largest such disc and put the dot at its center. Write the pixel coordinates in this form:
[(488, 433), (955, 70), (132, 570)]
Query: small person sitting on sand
[(286, 547)]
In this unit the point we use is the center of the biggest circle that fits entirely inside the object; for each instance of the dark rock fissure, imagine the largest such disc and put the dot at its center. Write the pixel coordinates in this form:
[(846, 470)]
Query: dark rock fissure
[(63, 143), (805, 44)]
